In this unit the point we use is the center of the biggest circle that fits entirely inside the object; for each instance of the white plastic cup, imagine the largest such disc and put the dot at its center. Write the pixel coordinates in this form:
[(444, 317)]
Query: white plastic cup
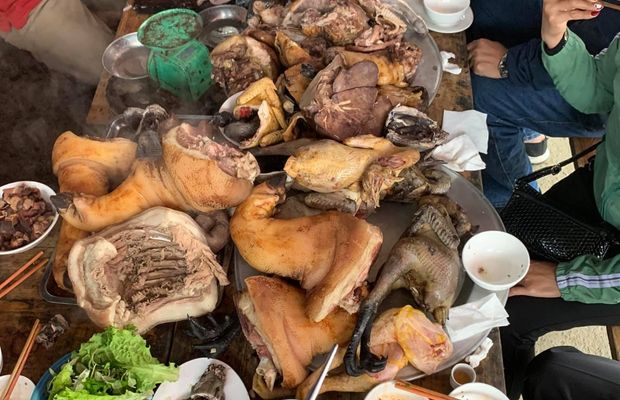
[(446, 12), (462, 374)]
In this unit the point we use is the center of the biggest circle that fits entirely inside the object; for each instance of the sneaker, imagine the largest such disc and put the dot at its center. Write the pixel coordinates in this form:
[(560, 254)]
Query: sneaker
[(537, 152)]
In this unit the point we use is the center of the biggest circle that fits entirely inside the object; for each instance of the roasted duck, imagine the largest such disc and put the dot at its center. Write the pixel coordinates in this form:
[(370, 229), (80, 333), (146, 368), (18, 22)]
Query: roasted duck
[(329, 253), (154, 268), (274, 321), (401, 335), (88, 166), (355, 173), (194, 174), (426, 261)]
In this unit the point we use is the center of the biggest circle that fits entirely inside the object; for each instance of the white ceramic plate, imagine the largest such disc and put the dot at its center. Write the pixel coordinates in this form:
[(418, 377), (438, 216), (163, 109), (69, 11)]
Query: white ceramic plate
[(464, 23), (46, 193), (23, 389), (478, 391), (388, 391), (190, 372)]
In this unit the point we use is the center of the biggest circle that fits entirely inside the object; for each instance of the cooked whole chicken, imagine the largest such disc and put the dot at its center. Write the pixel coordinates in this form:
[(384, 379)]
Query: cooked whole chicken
[(154, 268), (329, 253), (194, 174), (426, 261), (355, 173), (273, 318), (403, 336)]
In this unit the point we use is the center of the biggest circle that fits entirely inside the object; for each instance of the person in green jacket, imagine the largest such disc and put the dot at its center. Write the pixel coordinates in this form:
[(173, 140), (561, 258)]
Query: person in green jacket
[(586, 290)]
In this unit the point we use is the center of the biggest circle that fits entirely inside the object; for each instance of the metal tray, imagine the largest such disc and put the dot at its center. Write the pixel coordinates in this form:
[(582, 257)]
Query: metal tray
[(394, 219), (49, 290)]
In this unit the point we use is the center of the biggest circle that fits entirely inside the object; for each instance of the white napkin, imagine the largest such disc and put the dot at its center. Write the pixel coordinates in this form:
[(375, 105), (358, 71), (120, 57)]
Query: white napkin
[(447, 66), (468, 137), (470, 319)]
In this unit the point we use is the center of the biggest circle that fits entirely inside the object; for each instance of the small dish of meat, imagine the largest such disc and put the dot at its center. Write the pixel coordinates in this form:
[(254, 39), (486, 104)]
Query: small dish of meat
[(26, 216)]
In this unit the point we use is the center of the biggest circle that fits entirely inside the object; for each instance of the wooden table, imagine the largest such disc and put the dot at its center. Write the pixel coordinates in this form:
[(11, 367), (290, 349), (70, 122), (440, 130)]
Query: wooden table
[(168, 341)]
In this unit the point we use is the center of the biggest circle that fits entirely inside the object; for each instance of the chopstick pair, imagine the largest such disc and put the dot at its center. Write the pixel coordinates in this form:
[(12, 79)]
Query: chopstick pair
[(420, 391), (21, 361), (609, 5), (13, 285)]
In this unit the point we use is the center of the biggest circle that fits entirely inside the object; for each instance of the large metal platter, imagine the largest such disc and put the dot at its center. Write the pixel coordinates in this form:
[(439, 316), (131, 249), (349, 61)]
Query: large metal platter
[(394, 219)]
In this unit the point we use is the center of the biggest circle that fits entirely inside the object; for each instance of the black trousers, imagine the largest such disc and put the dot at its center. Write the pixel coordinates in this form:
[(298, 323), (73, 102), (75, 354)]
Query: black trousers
[(532, 317), (564, 373)]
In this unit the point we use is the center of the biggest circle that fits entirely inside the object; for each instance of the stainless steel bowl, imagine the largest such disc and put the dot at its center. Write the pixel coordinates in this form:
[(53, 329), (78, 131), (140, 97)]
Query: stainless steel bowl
[(220, 22), (126, 57)]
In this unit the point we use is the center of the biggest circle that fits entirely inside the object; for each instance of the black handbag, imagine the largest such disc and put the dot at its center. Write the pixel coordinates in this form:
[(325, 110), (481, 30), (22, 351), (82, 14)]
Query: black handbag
[(548, 232)]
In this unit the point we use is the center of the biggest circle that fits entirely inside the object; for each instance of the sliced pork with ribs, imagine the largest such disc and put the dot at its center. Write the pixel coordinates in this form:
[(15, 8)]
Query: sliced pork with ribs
[(154, 268)]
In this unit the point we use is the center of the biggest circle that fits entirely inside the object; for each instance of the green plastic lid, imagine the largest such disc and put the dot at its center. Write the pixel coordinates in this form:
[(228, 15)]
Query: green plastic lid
[(170, 29)]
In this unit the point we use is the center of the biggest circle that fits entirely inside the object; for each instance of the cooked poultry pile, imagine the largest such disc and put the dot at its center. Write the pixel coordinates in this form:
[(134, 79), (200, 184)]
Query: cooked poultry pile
[(155, 268), (326, 85), (426, 261), (329, 253), (340, 66), (194, 174)]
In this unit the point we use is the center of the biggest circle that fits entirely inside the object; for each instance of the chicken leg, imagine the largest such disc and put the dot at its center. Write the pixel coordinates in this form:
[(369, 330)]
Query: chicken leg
[(426, 262)]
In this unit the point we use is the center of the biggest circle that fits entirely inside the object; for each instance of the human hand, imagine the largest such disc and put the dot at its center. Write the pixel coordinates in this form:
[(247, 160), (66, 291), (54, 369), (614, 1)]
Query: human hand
[(484, 57), (556, 13), (539, 281)]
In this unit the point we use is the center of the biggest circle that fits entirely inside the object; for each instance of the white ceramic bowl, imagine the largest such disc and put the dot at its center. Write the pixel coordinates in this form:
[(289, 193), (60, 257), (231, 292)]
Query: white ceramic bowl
[(22, 390), (446, 12), (495, 260), (46, 193), (388, 391), (478, 391)]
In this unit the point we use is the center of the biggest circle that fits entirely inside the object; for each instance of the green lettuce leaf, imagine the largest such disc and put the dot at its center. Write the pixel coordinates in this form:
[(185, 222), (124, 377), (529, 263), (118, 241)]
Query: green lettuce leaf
[(61, 380), (114, 362)]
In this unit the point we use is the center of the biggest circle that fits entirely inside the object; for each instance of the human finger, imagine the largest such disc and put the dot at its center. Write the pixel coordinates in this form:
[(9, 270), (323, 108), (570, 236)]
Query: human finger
[(519, 291)]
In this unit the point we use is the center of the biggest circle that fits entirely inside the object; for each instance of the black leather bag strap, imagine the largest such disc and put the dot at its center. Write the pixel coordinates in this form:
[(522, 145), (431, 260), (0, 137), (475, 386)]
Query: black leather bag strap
[(554, 169)]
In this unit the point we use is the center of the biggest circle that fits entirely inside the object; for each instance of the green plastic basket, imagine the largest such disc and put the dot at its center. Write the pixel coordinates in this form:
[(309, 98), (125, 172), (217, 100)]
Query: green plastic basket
[(178, 62)]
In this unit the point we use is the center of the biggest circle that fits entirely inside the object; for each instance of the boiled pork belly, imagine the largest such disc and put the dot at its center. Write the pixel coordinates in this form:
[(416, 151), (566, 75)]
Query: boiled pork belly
[(272, 314), (329, 253), (155, 268)]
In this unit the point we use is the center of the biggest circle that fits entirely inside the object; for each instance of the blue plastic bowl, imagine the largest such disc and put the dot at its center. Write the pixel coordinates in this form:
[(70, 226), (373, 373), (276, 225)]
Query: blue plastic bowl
[(40, 391)]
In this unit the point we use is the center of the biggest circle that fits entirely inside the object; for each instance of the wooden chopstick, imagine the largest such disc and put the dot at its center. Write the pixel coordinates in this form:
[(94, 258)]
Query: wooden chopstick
[(21, 361), (609, 5), (419, 390), (21, 269), (23, 278)]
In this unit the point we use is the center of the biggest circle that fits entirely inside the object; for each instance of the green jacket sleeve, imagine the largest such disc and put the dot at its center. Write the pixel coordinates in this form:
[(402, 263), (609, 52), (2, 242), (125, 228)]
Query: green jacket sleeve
[(585, 82), (588, 279)]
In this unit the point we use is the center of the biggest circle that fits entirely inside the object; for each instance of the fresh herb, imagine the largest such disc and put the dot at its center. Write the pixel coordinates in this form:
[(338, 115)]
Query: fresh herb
[(114, 364)]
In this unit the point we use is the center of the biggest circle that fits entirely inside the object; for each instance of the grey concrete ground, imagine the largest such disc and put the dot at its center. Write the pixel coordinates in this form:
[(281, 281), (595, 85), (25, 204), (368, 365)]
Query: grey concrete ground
[(592, 340)]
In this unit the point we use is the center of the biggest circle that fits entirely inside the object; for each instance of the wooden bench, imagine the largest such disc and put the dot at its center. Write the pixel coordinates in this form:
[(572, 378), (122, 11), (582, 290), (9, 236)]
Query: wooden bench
[(613, 332)]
